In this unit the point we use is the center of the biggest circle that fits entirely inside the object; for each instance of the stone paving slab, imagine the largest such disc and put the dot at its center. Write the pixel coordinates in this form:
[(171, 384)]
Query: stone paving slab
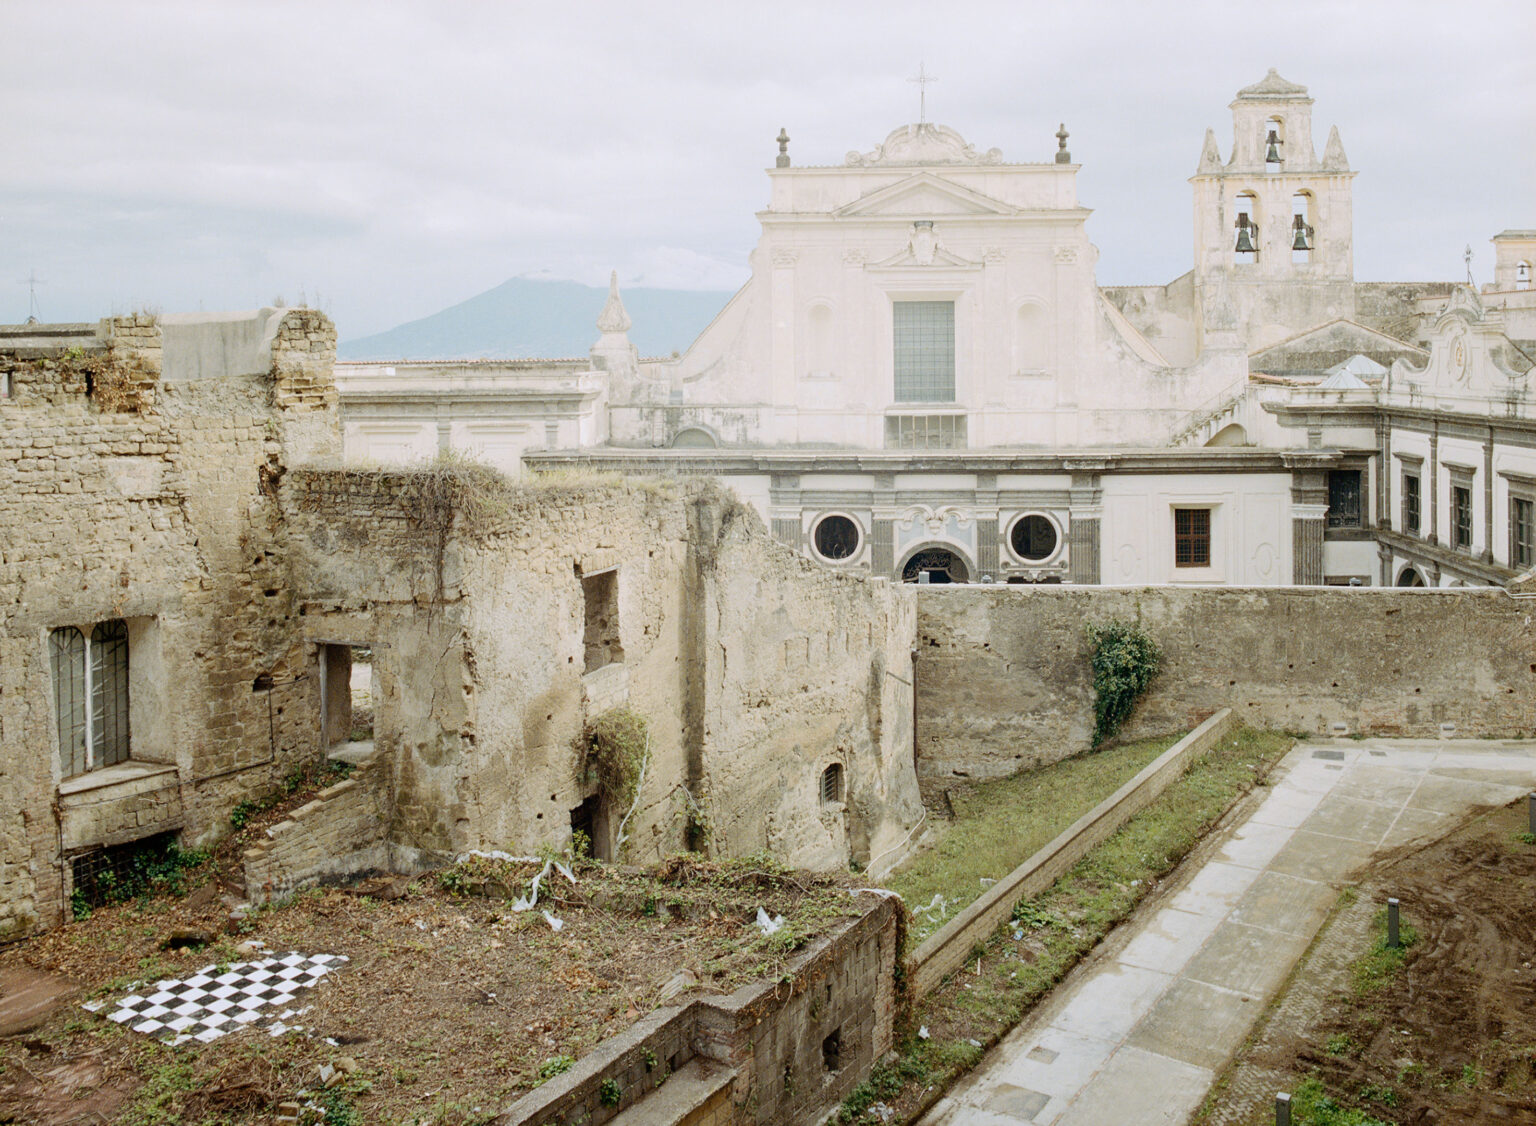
[(1138, 1033), (27, 996)]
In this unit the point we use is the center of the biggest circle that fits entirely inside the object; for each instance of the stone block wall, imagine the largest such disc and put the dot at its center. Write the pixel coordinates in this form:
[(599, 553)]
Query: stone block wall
[(147, 496), (341, 832), (1004, 681)]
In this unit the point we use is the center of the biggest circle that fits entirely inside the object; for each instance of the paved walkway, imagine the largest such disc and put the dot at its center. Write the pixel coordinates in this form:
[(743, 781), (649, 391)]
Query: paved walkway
[(1140, 1032)]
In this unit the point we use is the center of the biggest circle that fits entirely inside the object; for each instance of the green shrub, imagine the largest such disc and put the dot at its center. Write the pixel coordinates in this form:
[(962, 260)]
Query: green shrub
[(617, 745), (1125, 659)]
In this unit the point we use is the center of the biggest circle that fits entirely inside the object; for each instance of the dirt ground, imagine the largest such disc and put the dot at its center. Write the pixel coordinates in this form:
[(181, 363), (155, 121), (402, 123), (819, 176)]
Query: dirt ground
[(451, 1004), (1445, 1033)]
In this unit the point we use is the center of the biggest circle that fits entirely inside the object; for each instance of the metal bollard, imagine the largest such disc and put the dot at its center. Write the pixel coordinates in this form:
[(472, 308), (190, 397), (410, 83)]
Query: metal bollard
[(1392, 940), (1282, 1110)]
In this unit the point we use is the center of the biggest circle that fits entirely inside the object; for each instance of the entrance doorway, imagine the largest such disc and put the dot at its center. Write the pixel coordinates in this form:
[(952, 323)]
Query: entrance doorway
[(941, 565)]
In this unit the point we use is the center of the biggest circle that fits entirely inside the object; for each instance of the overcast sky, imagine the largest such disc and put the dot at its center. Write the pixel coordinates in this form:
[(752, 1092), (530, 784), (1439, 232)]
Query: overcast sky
[(385, 159)]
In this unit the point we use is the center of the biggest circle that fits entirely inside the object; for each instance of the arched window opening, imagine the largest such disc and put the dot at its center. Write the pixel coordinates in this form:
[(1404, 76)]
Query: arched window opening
[(1245, 248), (1410, 577), (1302, 235), (939, 564), (1274, 144), (818, 323), (836, 537), (1033, 538), (832, 784), (1523, 275)]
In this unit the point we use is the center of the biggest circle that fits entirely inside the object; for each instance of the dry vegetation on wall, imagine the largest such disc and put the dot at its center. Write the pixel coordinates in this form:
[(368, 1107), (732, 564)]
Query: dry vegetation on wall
[(451, 1005), (1051, 933)]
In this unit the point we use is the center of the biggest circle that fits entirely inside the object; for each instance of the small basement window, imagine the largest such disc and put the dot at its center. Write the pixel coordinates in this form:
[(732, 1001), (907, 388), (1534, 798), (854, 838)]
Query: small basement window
[(115, 875), (600, 595), (832, 784)]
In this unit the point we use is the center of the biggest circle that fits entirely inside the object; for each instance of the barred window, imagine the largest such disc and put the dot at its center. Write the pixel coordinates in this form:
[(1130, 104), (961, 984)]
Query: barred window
[(1461, 516), (925, 432), (1522, 532), (1344, 498), (1191, 537), (832, 784), (90, 691), (924, 351), (1411, 503)]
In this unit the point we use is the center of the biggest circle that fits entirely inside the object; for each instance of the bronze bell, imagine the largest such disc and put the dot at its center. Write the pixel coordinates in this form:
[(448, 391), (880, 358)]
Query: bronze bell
[(1301, 234), (1245, 228), (1272, 147)]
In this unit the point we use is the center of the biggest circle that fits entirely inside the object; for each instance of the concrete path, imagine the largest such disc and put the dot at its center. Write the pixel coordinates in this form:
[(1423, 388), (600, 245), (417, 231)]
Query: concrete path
[(1140, 1031)]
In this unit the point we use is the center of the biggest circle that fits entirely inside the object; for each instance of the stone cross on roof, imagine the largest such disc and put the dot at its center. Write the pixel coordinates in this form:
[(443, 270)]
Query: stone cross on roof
[(921, 81)]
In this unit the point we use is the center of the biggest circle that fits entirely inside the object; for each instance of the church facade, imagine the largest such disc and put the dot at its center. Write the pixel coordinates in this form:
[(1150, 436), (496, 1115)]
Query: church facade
[(922, 377)]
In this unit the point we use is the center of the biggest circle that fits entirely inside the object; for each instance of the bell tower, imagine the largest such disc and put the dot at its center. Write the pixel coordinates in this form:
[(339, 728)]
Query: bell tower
[(1273, 225)]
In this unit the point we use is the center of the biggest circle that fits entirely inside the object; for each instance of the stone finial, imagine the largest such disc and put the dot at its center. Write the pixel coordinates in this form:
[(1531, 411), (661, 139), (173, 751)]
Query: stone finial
[(782, 160), (614, 318), (1334, 159), (1210, 153), (1062, 155)]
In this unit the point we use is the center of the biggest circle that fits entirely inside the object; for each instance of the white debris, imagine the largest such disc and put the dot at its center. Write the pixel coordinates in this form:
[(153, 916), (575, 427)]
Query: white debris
[(922, 1033), (987, 881), (496, 854), (554, 923), (937, 903), (767, 925)]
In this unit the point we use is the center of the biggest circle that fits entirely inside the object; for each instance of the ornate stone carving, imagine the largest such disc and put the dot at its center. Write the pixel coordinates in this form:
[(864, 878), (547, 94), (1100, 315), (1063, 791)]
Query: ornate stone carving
[(854, 257), (992, 255), (785, 258), (924, 143), (1066, 254), (934, 519)]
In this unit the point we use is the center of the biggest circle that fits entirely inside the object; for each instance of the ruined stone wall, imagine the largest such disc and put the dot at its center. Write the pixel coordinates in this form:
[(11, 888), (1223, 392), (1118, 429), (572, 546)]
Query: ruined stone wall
[(1004, 683), (131, 493), (807, 669), (751, 668)]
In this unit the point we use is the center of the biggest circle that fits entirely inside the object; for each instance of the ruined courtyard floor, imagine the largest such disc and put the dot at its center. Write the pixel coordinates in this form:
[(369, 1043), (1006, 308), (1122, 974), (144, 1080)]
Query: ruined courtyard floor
[(1142, 1030), (449, 1005)]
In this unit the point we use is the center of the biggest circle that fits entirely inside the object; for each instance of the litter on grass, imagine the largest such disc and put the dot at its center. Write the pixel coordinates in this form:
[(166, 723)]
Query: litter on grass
[(767, 925)]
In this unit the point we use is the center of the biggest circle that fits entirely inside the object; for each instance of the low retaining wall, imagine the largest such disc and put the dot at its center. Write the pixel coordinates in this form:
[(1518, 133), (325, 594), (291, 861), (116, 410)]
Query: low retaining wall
[(949, 948), (342, 832), (772, 1035), (1004, 683)]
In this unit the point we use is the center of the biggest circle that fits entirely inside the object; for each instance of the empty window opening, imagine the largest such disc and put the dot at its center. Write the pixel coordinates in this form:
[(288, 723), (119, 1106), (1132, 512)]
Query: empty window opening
[(114, 875), (939, 565), (1274, 144), (924, 346), (600, 593), (832, 1051), (90, 692), (1522, 532), (832, 784), (1191, 537), (589, 828), (1302, 234), (1033, 538), (348, 701), (836, 537), (1344, 498), (1410, 577), (1245, 246), (1412, 501), (1461, 516)]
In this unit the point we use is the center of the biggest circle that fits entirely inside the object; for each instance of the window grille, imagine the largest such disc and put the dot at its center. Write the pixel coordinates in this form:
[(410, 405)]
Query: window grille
[(1344, 498), (1191, 537), (1411, 503), (832, 784), (1033, 538), (1461, 516), (1522, 532), (924, 351), (925, 432), (90, 691), (836, 537)]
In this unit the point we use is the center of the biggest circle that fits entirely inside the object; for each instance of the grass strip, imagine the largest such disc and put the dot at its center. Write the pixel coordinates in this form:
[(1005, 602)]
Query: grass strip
[(1000, 824), (1049, 934)]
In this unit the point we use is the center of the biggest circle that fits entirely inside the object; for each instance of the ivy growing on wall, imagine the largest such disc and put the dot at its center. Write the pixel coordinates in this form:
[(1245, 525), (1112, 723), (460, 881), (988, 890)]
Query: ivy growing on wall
[(1125, 659)]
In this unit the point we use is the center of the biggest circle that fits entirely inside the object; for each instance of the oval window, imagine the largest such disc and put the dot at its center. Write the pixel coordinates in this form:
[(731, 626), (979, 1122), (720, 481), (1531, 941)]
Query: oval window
[(1033, 538), (836, 537)]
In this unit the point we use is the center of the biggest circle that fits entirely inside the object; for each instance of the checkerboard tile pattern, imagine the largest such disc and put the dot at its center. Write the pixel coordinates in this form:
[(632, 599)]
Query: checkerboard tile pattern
[(209, 1005)]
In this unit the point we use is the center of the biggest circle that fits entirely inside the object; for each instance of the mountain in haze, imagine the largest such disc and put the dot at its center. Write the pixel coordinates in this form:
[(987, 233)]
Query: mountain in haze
[(532, 317)]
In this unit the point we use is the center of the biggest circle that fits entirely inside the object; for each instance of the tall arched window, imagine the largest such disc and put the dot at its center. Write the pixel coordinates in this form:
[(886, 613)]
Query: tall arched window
[(1302, 234), (1245, 242)]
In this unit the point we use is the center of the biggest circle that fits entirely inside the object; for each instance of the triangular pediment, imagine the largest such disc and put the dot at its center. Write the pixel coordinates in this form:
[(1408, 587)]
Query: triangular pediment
[(922, 196), (1318, 349)]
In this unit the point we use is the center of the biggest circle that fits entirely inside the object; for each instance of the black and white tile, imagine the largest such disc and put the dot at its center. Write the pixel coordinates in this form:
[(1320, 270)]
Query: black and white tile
[(218, 1000)]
